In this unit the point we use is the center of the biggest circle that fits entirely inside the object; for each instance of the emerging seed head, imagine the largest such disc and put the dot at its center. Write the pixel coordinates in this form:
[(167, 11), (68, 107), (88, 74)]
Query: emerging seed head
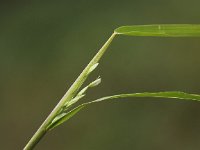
[(74, 100), (95, 83), (93, 68)]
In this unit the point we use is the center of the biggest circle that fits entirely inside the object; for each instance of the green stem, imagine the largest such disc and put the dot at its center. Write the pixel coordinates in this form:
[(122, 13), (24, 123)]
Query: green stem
[(68, 96)]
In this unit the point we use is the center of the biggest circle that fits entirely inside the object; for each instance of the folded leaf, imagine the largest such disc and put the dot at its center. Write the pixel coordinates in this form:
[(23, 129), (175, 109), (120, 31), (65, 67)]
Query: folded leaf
[(174, 95), (163, 30)]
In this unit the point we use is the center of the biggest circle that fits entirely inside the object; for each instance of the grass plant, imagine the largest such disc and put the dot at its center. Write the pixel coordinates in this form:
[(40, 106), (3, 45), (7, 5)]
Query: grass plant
[(65, 109)]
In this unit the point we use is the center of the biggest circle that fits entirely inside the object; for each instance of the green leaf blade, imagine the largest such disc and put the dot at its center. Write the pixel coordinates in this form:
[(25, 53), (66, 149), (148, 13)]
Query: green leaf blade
[(163, 30), (169, 95)]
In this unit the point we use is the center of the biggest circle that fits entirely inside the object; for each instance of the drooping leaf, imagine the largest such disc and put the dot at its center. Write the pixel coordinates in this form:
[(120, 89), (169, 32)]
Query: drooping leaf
[(162, 30), (173, 94)]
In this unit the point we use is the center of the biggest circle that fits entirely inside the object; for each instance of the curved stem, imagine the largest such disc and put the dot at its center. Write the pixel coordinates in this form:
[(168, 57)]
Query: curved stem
[(69, 94)]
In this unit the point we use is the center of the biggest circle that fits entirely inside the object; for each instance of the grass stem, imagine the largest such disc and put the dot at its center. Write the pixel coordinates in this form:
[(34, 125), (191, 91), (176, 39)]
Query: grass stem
[(67, 97)]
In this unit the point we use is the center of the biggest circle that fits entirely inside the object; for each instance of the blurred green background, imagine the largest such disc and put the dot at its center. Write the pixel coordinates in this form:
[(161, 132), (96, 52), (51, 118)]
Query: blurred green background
[(44, 45)]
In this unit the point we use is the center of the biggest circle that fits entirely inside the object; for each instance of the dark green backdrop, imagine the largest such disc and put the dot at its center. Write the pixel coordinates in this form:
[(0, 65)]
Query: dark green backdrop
[(44, 45)]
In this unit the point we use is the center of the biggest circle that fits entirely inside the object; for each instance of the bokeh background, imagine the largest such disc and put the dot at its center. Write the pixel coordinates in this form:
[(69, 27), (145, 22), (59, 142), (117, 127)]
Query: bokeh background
[(44, 45)]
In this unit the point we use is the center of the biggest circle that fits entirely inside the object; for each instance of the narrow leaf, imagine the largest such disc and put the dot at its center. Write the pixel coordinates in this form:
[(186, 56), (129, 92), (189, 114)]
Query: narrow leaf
[(163, 30), (173, 94)]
